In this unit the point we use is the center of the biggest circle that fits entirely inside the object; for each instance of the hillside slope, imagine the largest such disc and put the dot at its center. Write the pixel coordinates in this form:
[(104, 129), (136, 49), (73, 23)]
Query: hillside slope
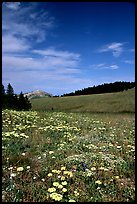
[(37, 94), (108, 102)]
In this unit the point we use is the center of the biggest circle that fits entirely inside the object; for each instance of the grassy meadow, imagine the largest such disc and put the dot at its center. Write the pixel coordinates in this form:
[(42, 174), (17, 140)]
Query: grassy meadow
[(83, 154), (108, 102)]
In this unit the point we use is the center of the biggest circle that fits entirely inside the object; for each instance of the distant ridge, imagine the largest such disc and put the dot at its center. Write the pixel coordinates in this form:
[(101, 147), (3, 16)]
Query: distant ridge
[(37, 94)]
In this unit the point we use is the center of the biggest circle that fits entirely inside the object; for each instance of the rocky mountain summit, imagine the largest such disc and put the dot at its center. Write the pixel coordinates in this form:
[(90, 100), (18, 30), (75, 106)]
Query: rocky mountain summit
[(37, 94)]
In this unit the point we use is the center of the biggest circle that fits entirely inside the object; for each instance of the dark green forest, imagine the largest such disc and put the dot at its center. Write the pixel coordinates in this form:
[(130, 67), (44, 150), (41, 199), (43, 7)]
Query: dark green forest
[(104, 88), (13, 101)]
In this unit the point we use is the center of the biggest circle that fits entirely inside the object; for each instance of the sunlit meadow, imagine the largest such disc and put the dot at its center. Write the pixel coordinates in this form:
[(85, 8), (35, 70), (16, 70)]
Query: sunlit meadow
[(67, 157)]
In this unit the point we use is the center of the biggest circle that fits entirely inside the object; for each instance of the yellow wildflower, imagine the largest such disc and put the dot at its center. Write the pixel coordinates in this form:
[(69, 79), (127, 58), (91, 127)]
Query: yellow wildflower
[(76, 193), (116, 177), (98, 182), (70, 173), (71, 200), (62, 178), (50, 174), (56, 196), (54, 171), (63, 168), (51, 152), (93, 169), (51, 190), (60, 186), (64, 190), (56, 184), (64, 183), (20, 168)]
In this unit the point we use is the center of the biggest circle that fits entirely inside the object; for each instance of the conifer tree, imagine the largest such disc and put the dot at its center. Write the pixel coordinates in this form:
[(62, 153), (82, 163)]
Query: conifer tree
[(10, 91), (10, 96)]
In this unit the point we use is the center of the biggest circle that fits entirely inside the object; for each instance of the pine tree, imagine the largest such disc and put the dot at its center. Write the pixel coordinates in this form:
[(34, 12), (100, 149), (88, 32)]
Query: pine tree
[(28, 104), (10, 91), (22, 102), (10, 97)]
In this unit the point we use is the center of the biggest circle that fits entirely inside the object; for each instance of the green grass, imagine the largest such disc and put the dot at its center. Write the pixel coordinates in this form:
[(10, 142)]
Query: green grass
[(58, 156), (109, 102)]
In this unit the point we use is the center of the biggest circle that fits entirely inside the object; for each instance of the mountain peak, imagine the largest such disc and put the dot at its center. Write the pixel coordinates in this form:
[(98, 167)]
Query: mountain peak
[(37, 94)]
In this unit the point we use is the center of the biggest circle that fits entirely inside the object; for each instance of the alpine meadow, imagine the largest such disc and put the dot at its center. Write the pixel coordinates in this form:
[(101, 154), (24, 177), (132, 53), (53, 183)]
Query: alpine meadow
[(70, 156), (68, 102)]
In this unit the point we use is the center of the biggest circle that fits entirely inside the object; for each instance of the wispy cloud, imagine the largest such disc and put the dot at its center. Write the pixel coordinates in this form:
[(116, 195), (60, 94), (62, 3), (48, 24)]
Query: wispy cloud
[(12, 5), (116, 48), (104, 66), (65, 61), (20, 60), (129, 61), (12, 44), (132, 50), (59, 58), (18, 20)]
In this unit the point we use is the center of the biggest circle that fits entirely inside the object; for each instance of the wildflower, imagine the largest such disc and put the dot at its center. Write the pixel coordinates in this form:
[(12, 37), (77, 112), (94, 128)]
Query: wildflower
[(65, 172), (39, 157), (116, 177), (76, 193), (44, 154), (54, 171), (93, 169), (43, 179), (98, 182), (56, 196), (26, 136), (50, 174), (56, 184), (105, 169), (64, 190), (89, 174), (51, 190), (53, 157), (51, 152), (63, 168), (70, 173), (118, 147), (23, 154), (60, 186), (64, 183), (101, 168), (71, 200), (20, 169), (110, 145), (62, 178), (34, 177), (28, 167), (10, 168), (58, 171), (12, 175)]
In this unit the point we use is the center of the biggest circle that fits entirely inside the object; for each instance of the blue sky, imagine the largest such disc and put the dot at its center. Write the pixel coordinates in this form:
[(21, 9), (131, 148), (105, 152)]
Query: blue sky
[(60, 47)]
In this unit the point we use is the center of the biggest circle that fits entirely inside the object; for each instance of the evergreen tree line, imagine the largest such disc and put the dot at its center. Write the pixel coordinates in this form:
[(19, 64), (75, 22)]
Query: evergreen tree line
[(104, 88), (13, 101)]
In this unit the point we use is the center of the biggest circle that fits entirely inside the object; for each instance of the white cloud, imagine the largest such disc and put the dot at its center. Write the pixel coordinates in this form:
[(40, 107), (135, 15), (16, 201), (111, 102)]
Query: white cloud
[(129, 61), (20, 22), (12, 5), (132, 50), (13, 44), (115, 47), (56, 61), (23, 27), (56, 53), (104, 66)]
